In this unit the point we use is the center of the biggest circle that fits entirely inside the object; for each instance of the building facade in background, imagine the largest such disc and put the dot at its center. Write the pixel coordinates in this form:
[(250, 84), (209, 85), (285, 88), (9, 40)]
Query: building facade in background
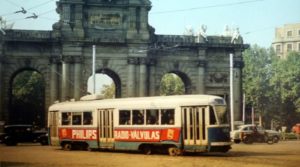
[(287, 39)]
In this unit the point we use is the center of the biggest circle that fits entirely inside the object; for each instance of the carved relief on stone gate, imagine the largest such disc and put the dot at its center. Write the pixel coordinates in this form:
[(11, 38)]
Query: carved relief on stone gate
[(105, 20), (218, 77)]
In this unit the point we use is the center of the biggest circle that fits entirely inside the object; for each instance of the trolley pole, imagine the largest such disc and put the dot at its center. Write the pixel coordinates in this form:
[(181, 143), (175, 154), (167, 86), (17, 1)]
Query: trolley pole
[(231, 92), (94, 69)]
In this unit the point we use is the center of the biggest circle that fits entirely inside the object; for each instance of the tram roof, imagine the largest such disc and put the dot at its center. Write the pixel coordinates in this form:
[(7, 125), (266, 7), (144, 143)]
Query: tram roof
[(140, 102)]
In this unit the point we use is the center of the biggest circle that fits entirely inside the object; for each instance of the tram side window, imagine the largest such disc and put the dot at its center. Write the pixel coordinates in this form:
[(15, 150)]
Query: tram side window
[(212, 116), (87, 118), (66, 118), (76, 118), (152, 117), (167, 116), (138, 117), (124, 117)]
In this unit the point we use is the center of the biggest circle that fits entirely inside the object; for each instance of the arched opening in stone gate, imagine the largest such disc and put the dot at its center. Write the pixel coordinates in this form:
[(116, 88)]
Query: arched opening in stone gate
[(108, 83), (175, 83), (27, 98)]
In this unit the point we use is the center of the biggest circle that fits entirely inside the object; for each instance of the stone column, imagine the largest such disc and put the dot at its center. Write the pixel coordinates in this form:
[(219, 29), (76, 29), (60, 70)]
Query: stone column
[(152, 80), (77, 78), (53, 80), (201, 71), (78, 19), (131, 86), (65, 79), (144, 18), (201, 77), (65, 16), (237, 91), (1, 92), (143, 78), (133, 25), (144, 23)]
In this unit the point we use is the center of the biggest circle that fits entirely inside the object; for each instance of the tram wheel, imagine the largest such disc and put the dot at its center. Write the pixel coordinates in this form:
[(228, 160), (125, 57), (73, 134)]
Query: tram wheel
[(147, 150), (88, 148), (174, 151), (67, 147)]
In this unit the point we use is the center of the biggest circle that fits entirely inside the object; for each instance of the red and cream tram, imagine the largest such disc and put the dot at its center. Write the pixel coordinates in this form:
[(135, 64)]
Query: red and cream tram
[(174, 124)]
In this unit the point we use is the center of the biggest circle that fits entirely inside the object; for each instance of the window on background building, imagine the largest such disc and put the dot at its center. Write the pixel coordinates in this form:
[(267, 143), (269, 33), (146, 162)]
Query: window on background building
[(298, 32), (289, 47), (289, 33), (299, 47), (278, 48)]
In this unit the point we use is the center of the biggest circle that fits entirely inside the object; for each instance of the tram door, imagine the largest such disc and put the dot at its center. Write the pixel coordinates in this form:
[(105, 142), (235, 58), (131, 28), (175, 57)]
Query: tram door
[(195, 120), (106, 138), (53, 127)]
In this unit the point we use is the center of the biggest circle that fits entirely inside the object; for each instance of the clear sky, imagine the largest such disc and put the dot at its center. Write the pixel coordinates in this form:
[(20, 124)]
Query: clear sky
[(256, 19)]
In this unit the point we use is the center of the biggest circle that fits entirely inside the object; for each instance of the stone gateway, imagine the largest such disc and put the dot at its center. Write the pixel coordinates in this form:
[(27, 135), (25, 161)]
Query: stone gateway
[(128, 50)]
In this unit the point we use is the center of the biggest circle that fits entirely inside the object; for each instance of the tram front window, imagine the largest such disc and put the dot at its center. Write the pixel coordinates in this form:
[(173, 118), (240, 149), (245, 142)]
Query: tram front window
[(221, 114)]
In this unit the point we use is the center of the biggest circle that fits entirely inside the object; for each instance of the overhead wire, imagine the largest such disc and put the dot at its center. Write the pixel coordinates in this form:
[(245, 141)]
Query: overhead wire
[(13, 3), (39, 5), (68, 80), (49, 11), (32, 15), (205, 7), (215, 6), (23, 10), (161, 12), (259, 30), (264, 29)]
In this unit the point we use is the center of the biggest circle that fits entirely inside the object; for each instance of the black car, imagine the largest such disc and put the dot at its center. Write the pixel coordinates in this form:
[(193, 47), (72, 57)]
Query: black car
[(14, 134)]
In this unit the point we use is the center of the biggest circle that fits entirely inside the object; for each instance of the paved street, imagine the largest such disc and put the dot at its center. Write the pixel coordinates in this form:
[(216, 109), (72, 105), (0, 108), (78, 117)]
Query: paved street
[(285, 153)]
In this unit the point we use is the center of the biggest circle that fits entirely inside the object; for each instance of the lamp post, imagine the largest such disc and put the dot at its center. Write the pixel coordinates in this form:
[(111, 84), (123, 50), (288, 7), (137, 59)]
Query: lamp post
[(231, 91), (94, 69), (244, 108)]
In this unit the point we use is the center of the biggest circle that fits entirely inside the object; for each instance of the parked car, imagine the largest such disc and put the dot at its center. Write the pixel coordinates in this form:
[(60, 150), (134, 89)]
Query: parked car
[(14, 134), (254, 133)]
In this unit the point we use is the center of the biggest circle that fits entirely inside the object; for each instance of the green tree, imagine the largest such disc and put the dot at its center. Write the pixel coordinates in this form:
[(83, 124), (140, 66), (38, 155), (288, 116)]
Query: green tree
[(27, 102), (272, 85), (109, 91), (285, 83), (256, 77), (171, 84), (287, 77)]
